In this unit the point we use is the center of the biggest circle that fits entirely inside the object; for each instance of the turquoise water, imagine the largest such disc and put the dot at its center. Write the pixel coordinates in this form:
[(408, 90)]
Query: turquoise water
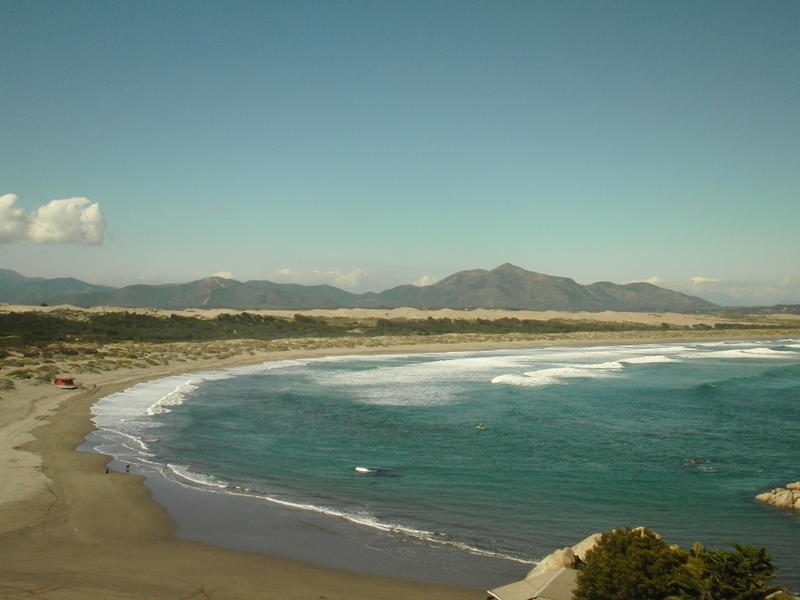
[(510, 453)]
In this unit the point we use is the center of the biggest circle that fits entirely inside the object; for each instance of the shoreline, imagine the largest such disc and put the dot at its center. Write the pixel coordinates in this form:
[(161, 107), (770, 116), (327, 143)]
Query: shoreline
[(87, 533)]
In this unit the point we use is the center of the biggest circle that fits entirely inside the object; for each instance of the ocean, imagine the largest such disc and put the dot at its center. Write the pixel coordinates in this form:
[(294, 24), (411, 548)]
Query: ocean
[(506, 454)]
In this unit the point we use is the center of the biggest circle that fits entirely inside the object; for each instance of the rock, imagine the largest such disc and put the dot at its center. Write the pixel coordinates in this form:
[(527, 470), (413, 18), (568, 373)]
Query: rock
[(581, 548), (556, 560), (788, 497), (569, 557)]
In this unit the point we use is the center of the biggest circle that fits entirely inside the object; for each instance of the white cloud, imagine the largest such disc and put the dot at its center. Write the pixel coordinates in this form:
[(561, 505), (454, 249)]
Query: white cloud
[(342, 279), (14, 223), (223, 274), (787, 290), (65, 221), (741, 292), (789, 282), (425, 280), (655, 280)]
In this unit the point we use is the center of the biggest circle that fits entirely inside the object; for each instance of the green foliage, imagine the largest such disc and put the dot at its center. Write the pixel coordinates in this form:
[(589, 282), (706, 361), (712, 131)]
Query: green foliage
[(37, 328), (32, 328), (636, 564), (431, 326), (629, 564), (725, 575)]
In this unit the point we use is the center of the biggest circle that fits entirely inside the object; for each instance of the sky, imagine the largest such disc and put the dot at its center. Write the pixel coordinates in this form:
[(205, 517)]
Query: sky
[(368, 144)]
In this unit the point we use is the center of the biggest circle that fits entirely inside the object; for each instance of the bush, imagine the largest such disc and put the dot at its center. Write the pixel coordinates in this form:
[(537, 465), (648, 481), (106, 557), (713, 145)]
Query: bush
[(636, 564), (629, 564), (725, 575)]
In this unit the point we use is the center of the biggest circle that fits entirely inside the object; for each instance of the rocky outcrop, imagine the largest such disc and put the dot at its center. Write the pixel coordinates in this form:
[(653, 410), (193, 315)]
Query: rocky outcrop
[(565, 557), (569, 557), (784, 497)]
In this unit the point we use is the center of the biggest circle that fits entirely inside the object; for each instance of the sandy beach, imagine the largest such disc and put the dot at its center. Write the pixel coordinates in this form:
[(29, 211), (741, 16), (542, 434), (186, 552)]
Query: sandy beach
[(71, 530)]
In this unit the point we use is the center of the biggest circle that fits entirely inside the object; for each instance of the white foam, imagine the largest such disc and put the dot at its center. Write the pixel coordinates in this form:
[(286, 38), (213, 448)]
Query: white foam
[(136, 440), (556, 375), (417, 373), (559, 374), (476, 366), (741, 353), (204, 480), (407, 395), (175, 398), (645, 360)]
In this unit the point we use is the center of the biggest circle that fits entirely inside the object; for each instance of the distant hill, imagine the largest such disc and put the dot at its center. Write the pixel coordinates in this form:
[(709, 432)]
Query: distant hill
[(217, 292), (511, 287), (18, 289), (506, 287)]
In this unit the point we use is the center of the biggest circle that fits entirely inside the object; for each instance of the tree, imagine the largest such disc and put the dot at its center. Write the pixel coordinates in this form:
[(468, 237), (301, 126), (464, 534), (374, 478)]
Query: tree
[(725, 575), (629, 564)]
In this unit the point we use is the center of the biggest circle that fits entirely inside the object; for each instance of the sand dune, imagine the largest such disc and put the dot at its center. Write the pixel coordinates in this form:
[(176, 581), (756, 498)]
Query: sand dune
[(650, 318)]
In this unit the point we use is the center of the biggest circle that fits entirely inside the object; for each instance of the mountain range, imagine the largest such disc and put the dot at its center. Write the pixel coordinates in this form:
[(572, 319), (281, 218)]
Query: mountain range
[(504, 287)]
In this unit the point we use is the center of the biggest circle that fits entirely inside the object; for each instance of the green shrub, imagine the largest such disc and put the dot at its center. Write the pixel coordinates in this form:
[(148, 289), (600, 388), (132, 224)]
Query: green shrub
[(719, 574), (629, 564)]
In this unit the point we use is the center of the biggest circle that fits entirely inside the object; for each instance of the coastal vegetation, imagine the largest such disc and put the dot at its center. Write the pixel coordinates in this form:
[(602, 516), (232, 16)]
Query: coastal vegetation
[(637, 564), (36, 346), (30, 327)]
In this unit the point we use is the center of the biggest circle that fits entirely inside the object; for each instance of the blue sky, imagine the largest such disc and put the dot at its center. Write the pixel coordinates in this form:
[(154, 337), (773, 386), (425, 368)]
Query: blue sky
[(374, 143)]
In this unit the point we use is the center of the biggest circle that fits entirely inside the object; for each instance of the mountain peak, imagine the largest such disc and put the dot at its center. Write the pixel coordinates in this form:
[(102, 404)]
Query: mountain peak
[(509, 267)]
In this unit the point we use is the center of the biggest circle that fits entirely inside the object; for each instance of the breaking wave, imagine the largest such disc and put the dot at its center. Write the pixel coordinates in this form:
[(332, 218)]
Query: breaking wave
[(742, 353), (561, 374)]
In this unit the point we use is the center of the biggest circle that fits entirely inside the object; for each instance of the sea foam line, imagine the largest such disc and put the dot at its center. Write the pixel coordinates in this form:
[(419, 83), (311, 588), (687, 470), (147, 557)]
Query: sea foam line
[(556, 375), (742, 353), (213, 485)]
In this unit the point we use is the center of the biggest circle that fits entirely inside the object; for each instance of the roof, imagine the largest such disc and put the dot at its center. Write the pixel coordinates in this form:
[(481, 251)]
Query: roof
[(553, 585)]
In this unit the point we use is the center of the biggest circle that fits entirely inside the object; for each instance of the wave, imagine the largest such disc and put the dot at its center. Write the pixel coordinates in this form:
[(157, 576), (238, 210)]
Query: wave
[(473, 366), (742, 353), (175, 398), (416, 373), (136, 440), (197, 478), (188, 478), (558, 375), (646, 360)]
